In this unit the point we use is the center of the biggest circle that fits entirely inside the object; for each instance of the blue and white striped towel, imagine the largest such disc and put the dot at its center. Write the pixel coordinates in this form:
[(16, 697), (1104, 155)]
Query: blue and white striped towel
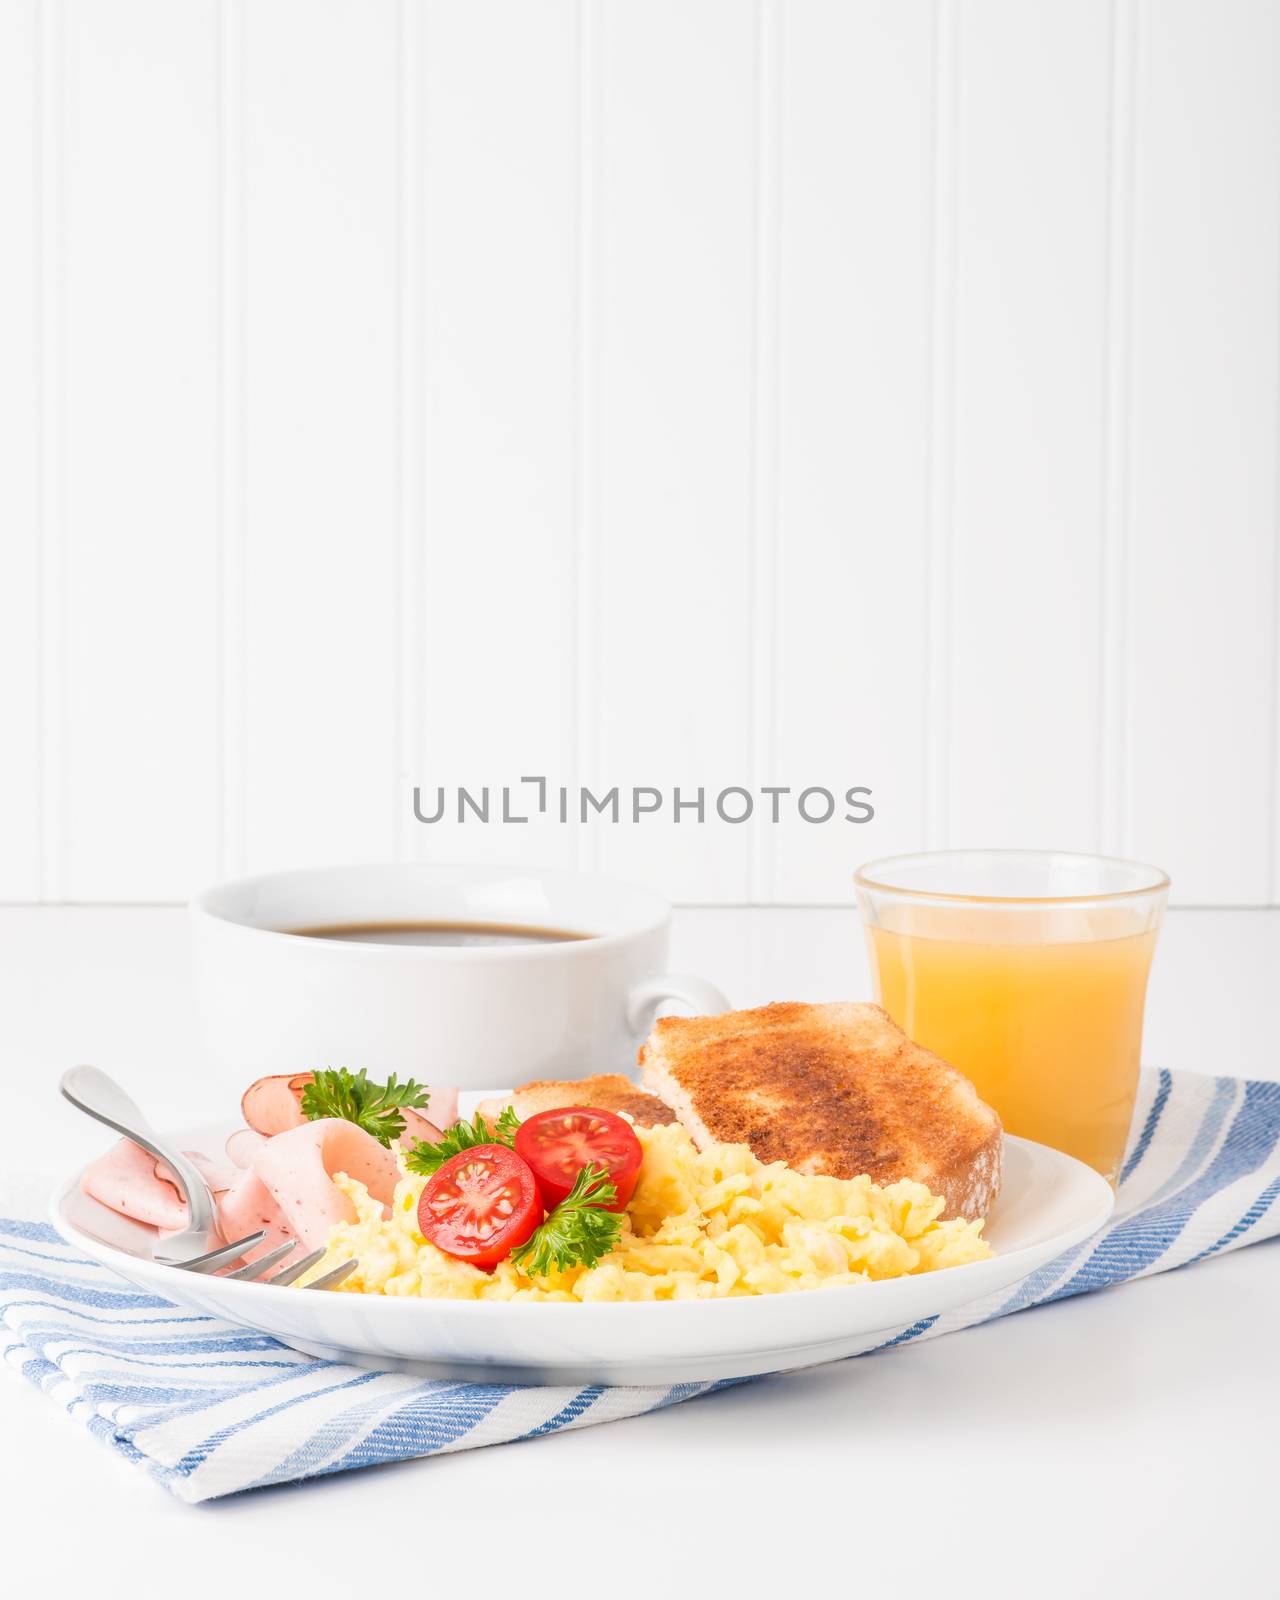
[(210, 1409)]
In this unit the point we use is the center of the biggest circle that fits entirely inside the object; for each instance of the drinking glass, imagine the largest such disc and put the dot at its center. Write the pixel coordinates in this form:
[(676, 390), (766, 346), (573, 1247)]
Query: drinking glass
[(1027, 970)]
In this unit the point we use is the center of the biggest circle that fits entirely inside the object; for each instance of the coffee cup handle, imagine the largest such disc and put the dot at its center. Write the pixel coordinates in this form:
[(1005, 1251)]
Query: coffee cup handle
[(701, 997)]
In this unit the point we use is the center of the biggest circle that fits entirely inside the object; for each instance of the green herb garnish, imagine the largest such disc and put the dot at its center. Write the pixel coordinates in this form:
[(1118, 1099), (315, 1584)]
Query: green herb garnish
[(428, 1158), (375, 1107), (579, 1232)]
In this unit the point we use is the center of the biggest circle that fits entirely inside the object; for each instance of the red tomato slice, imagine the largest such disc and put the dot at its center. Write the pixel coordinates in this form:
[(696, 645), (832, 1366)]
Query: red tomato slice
[(558, 1144), (480, 1205)]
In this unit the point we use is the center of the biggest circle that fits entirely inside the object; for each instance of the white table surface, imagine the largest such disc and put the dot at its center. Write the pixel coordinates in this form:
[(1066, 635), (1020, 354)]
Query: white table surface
[(1120, 1443)]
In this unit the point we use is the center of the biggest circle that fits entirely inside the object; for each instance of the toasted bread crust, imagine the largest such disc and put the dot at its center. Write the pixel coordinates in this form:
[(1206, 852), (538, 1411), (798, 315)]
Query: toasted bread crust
[(607, 1091), (835, 1089)]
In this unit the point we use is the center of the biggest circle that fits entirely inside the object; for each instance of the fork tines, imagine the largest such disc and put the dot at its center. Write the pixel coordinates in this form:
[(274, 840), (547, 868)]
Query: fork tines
[(331, 1279), (252, 1271), (221, 1257), (295, 1269), (255, 1269)]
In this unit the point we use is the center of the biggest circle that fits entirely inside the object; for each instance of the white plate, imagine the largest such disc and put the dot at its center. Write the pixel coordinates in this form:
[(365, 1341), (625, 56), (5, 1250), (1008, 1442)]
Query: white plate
[(1049, 1203)]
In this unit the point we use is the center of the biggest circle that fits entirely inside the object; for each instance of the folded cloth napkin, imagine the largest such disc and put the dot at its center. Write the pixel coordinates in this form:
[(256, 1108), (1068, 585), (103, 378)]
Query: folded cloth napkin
[(211, 1409)]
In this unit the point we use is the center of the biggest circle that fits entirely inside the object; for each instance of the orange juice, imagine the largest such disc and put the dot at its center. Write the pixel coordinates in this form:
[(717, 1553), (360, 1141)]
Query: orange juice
[(1049, 1031)]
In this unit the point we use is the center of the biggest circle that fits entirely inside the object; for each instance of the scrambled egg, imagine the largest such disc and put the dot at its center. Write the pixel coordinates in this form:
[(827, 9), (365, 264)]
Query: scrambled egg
[(700, 1225)]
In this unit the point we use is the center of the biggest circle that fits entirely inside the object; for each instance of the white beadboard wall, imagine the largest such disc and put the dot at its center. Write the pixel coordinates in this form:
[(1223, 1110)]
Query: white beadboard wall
[(690, 392)]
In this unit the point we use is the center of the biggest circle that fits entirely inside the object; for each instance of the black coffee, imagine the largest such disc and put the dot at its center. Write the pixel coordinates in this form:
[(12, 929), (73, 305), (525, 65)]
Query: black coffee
[(438, 933)]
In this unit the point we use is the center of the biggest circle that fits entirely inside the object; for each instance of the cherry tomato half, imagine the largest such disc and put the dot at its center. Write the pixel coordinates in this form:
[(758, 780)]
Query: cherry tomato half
[(558, 1144), (480, 1205)]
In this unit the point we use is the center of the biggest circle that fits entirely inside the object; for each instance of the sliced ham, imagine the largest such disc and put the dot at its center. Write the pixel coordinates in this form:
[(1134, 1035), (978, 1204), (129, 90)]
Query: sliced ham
[(282, 1183), (274, 1105), (126, 1180), (417, 1129), (442, 1108), (243, 1145), (298, 1166), (247, 1206)]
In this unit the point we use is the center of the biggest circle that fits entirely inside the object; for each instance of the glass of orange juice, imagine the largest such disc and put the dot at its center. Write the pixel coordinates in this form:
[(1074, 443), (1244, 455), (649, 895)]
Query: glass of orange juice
[(1027, 970)]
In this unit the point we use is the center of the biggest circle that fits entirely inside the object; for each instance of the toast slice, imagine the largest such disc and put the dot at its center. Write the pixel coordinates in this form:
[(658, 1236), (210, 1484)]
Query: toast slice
[(835, 1089), (607, 1091)]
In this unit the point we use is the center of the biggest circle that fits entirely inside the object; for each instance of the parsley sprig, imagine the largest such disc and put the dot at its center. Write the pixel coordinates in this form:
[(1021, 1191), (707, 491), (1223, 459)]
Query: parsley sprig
[(428, 1158), (579, 1232), (375, 1107)]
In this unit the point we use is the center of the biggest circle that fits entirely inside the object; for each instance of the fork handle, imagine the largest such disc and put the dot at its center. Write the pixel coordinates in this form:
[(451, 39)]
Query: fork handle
[(90, 1090)]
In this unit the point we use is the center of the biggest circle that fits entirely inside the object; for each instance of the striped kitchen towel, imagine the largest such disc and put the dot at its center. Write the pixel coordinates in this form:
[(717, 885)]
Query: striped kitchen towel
[(211, 1409)]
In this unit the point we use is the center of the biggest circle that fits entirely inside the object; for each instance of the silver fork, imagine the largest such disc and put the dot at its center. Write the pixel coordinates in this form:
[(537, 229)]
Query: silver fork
[(295, 1269), (99, 1096)]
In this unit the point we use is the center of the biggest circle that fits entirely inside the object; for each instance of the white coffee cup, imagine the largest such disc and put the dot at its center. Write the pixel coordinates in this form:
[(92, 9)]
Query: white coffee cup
[(480, 1017)]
